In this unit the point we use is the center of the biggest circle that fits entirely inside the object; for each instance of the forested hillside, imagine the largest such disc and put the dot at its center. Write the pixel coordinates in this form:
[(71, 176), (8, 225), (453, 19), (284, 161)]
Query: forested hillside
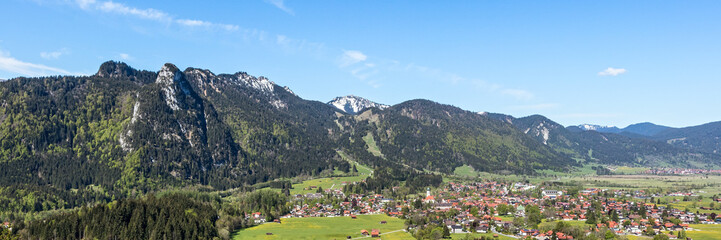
[(435, 137), (68, 141)]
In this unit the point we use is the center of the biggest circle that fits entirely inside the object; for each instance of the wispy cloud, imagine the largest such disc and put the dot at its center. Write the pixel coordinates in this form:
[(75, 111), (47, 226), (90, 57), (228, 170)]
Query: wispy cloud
[(149, 14), (372, 70), (119, 8), (517, 93), (280, 4), (55, 54), (12, 65), (351, 57), (125, 56), (590, 115), (612, 72), (540, 106)]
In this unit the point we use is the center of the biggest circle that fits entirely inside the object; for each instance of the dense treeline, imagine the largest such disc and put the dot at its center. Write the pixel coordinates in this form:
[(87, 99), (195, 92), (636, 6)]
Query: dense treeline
[(172, 216), (167, 215)]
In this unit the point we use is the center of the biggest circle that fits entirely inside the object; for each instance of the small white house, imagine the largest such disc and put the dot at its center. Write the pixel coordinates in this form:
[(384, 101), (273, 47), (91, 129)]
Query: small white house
[(552, 193)]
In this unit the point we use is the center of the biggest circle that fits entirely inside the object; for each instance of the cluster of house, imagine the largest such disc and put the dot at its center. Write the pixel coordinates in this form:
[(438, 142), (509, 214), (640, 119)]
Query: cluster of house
[(486, 197), (353, 204), (680, 171)]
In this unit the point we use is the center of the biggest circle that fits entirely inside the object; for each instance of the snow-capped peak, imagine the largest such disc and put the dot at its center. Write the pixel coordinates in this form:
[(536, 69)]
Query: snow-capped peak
[(598, 128), (353, 104)]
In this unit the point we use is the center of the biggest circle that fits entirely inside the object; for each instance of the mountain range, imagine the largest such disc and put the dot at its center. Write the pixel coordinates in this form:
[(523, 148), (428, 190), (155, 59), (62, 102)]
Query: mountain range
[(703, 138), (74, 139)]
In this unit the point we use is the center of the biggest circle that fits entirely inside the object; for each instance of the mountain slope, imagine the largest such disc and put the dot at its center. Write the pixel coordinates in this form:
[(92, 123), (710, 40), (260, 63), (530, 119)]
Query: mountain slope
[(354, 104), (645, 129), (608, 148), (429, 136), (705, 137), (125, 129)]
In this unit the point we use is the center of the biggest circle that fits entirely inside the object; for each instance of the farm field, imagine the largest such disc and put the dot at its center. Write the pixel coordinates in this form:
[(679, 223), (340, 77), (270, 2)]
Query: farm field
[(648, 181), (707, 231), (327, 228)]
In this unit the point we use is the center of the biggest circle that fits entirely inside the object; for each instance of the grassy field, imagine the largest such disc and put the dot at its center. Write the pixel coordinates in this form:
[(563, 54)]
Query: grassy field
[(326, 228), (465, 171), (552, 224), (332, 182), (647, 181), (372, 146), (707, 231)]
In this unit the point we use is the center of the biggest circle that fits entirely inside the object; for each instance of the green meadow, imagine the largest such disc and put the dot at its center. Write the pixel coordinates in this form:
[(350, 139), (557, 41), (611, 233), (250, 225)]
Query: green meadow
[(332, 182), (327, 228), (707, 231)]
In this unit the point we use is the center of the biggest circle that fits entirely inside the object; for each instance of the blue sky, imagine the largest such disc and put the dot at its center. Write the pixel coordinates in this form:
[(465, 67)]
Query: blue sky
[(602, 62)]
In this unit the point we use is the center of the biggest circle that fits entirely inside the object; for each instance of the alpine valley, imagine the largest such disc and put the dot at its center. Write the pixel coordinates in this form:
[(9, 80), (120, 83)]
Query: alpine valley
[(78, 148)]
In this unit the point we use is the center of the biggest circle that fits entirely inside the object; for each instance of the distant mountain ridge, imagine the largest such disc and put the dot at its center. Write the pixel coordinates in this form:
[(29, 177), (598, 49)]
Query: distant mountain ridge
[(704, 138), (352, 104), (644, 129), (609, 147)]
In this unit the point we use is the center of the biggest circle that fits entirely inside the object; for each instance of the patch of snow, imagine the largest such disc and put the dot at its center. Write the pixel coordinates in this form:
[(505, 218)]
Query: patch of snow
[(287, 89), (353, 104), (260, 83)]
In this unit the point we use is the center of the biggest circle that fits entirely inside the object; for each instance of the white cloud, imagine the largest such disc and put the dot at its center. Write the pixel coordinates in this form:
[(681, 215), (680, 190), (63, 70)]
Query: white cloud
[(149, 13), (281, 5), (192, 23), (120, 8), (351, 57), (612, 72), (519, 94), (85, 4), (125, 56), (10, 64), (590, 115), (55, 54), (200, 23), (540, 106)]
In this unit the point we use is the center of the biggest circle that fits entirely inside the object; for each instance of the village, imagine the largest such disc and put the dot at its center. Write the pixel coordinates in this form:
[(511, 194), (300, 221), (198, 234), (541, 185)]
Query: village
[(517, 210)]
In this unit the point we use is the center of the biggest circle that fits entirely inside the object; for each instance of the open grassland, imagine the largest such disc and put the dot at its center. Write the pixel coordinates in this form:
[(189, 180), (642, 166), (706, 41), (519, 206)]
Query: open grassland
[(649, 181), (707, 231), (325, 183), (372, 146), (327, 228), (465, 171), (552, 224), (629, 170), (332, 182)]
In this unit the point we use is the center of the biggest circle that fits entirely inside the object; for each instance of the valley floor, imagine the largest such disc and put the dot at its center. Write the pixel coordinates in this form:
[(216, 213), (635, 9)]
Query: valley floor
[(327, 228)]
